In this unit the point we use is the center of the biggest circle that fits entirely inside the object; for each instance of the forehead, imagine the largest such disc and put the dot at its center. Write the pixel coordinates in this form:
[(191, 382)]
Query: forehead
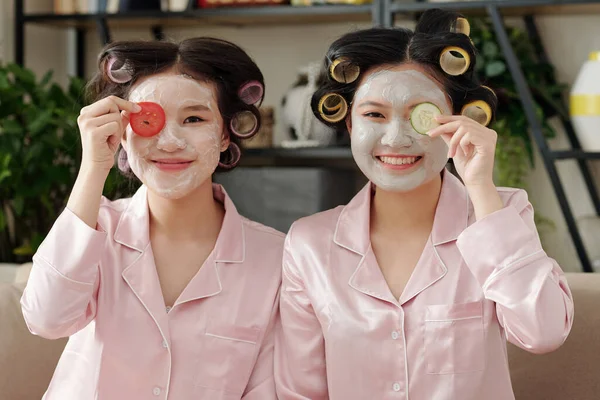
[(171, 87), (397, 81)]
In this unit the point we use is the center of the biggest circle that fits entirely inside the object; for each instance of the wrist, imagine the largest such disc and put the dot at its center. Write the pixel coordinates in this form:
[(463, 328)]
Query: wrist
[(92, 172), (485, 199), (481, 188)]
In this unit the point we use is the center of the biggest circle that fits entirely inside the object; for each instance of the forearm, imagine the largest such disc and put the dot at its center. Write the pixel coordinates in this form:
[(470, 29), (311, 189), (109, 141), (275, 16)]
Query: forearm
[(485, 199), (86, 195)]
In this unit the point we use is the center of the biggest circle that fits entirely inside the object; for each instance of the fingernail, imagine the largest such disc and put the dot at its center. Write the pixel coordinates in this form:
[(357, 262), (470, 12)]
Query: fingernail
[(137, 108)]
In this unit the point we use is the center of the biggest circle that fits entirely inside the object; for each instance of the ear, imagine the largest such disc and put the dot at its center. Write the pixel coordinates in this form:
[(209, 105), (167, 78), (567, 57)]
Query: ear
[(225, 140), (349, 123), (125, 123)]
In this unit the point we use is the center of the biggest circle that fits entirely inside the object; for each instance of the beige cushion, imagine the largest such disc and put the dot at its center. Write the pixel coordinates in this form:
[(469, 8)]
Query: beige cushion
[(27, 361), (22, 273), (8, 272), (573, 371)]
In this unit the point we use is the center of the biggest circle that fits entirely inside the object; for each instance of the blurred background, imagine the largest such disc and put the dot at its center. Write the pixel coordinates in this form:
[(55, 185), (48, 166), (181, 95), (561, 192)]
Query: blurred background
[(303, 167)]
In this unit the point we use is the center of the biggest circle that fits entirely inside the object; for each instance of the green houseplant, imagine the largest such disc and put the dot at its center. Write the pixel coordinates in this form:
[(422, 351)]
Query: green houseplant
[(514, 155), (40, 152), (514, 152)]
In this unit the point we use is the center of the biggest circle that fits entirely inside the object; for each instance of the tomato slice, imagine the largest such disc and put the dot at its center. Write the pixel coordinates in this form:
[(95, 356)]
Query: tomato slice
[(148, 122)]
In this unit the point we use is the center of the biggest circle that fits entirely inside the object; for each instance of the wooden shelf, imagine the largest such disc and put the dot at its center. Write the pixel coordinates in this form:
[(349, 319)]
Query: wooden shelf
[(237, 16), (506, 7)]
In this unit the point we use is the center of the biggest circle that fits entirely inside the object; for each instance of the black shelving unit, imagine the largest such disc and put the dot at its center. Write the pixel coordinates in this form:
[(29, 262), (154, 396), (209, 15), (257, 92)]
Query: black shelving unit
[(104, 23), (496, 10)]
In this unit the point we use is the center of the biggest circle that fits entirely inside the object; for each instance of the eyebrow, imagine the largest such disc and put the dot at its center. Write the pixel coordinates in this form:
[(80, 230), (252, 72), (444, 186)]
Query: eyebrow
[(196, 107), (371, 104)]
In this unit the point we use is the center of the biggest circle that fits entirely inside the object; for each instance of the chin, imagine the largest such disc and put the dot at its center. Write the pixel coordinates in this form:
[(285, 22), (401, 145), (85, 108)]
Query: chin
[(178, 188), (394, 183), (395, 188), (170, 194)]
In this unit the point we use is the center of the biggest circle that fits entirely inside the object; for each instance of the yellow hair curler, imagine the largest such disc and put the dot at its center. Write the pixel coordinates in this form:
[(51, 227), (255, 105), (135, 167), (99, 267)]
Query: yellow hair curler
[(455, 60), (461, 25), (491, 90), (479, 111), (343, 70), (333, 107)]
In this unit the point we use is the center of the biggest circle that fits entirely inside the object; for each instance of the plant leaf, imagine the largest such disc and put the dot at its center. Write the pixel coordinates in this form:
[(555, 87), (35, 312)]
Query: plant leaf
[(25, 250), (19, 205), (4, 83), (495, 68), (11, 127), (490, 49), (40, 122), (2, 220), (4, 174), (46, 79)]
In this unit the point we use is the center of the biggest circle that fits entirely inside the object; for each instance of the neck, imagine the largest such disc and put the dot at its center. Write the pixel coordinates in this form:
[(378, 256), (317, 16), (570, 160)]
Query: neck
[(196, 216), (402, 211)]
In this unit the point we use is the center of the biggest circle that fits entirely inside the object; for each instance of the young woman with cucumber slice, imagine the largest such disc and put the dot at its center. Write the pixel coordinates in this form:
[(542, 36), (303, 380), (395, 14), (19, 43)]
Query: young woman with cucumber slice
[(412, 289), (170, 294)]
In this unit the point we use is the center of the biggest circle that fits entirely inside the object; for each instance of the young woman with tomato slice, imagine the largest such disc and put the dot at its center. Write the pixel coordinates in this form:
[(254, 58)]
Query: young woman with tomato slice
[(170, 294)]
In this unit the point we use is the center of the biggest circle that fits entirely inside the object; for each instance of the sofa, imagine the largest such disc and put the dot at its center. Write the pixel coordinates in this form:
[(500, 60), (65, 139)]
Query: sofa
[(570, 373)]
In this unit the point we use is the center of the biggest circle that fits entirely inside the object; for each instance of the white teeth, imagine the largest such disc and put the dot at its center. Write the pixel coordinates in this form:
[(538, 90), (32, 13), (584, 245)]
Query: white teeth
[(398, 160)]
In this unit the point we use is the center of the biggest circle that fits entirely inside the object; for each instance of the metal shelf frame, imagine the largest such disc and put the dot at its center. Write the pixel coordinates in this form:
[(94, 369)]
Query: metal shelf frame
[(496, 10)]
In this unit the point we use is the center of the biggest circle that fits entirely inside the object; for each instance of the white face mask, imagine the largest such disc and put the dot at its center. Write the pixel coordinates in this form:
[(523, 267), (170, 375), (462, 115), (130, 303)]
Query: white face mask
[(185, 153), (385, 146)]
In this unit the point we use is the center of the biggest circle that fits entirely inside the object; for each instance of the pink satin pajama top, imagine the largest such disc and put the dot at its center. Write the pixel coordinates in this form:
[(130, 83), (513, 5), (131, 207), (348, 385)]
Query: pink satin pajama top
[(101, 288), (343, 336)]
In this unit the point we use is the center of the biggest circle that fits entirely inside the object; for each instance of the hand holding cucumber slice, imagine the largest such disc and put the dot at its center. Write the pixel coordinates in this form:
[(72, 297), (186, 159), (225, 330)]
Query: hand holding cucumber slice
[(422, 117)]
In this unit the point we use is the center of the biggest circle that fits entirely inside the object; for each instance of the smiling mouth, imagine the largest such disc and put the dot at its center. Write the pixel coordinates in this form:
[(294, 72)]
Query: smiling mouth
[(170, 162), (172, 165), (399, 160)]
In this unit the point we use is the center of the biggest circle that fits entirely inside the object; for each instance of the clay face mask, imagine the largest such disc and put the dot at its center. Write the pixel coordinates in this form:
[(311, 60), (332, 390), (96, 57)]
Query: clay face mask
[(186, 151), (385, 145)]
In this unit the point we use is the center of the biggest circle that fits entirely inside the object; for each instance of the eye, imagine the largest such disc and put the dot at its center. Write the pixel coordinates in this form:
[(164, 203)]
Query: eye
[(373, 115), (192, 120)]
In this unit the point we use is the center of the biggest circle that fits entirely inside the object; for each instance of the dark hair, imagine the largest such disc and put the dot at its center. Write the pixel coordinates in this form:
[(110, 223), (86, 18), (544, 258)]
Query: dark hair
[(203, 58), (437, 31)]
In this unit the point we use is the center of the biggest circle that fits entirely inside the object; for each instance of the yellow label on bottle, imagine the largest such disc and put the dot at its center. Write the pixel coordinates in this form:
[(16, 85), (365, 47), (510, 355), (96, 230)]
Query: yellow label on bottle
[(585, 105), (594, 56)]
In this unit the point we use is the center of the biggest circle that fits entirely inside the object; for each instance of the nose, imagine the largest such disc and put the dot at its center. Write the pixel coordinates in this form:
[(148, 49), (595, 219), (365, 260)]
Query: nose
[(397, 134), (169, 141)]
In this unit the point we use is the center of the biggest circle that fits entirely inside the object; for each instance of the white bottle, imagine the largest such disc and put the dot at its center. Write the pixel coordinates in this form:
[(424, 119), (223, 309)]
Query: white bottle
[(585, 104)]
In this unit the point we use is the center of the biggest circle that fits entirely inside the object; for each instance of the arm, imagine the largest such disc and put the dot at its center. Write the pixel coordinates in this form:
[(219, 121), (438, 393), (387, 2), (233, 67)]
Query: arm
[(533, 301), (261, 385), (300, 372), (60, 297)]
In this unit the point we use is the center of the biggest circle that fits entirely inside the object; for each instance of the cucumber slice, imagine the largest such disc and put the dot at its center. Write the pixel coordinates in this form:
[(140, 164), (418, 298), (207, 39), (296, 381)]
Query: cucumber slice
[(422, 117)]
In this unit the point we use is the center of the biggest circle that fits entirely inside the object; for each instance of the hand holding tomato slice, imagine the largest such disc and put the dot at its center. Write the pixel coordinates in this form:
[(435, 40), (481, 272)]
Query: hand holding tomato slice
[(149, 121)]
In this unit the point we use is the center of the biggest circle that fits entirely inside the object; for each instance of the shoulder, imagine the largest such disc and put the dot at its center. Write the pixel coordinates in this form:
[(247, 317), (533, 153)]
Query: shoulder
[(511, 197), (263, 246), (266, 234), (110, 213), (514, 197), (315, 229)]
